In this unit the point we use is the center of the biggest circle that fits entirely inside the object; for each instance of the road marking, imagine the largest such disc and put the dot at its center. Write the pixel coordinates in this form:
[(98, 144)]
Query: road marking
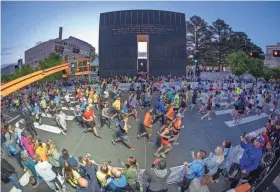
[(67, 109), (246, 120), (13, 119), (48, 128), (67, 117), (24, 180), (20, 121), (70, 102), (223, 112)]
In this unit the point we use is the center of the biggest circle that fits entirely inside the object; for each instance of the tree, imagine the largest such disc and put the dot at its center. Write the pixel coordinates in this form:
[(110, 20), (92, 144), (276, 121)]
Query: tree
[(255, 67), (221, 33), (267, 73), (238, 62), (52, 60), (93, 56), (203, 37)]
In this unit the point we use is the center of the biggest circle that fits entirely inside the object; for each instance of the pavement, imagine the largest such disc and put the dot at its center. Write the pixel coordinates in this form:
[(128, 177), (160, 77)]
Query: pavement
[(196, 134)]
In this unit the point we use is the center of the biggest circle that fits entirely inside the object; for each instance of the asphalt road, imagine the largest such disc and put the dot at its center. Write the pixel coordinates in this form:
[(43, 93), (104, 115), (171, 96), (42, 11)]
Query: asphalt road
[(197, 134)]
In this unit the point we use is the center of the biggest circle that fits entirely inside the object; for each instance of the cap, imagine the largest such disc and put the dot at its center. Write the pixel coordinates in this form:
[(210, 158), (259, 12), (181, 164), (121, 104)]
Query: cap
[(17, 125), (260, 139)]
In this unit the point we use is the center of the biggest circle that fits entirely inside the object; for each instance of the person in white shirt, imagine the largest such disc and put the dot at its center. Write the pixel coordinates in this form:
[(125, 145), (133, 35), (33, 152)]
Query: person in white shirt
[(44, 170)]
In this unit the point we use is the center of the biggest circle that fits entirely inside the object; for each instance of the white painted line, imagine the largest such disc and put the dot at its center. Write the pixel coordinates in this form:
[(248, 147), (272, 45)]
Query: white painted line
[(221, 104), (223, 112), (24, 180), (20, 121), (70, 102), (48, 128), (246, 120), (72, 97), (13, 119), (67, 109), (68, 117)]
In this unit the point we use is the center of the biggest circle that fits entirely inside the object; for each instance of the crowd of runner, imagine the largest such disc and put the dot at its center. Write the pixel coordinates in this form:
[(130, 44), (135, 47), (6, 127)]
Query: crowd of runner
[(173, 96)]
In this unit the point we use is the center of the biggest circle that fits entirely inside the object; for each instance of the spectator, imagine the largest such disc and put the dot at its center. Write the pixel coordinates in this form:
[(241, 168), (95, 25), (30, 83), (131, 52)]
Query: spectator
[(53, 156), (44, 170), (8, 174), (226, 162), (211, 164), (130, 171), (249, 160), (37, 186), (89, 184), (28, 162), (116, 183), (158, 176), (41, 150), (193, 170), (69, 159), (71, 175), (27, 144), (103, 174)]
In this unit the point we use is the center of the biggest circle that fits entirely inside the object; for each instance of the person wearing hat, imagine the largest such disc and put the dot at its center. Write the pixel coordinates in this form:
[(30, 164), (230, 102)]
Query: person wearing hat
[(148, 120), (28, 162), (249, 160)]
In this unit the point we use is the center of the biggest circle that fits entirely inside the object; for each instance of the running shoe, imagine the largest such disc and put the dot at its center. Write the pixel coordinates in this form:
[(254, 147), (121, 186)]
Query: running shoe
[(151, 141), (175, 143), (113, 142), (156, 155), (163, 155), (139, 136)]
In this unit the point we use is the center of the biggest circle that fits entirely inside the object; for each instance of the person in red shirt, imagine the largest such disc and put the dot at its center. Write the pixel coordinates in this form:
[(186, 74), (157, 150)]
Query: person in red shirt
[(89, 117)]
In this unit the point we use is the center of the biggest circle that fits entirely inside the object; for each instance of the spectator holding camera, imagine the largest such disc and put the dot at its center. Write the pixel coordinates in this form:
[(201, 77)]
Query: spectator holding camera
[(249, 160), (116, 183), (193, 170), (157, 176)]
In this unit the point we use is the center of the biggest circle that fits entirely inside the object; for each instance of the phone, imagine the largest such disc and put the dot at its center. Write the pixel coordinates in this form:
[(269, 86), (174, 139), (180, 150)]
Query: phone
[(192, 150)]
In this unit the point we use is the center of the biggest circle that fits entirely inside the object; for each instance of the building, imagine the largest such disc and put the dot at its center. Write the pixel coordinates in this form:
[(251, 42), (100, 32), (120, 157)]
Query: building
[(122, 33), (66, 47), (9, 69), (271, 61)]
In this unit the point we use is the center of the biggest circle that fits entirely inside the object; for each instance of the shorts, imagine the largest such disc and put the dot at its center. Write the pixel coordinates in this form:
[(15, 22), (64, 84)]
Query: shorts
[(164, 141), (259, 107), (114, 110), (236, 107), (241, 112), (149, 131), (183, 105), (90, 124), (176, 133), (209, 108), (217, 105), (193, 102), (250, 106)]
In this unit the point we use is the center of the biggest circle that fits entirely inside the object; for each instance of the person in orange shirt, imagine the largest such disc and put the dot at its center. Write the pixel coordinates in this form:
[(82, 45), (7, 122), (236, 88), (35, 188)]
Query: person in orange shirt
[(41, 150), (148, 119), (165, 141), (170, 113), (176, 126)]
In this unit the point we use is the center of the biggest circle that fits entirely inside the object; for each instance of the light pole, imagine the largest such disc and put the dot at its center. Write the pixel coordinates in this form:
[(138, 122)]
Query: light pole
[(195, 52)]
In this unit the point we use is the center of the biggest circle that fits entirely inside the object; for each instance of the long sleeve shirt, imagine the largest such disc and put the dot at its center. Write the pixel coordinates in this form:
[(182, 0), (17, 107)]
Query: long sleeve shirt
[(251, 157)]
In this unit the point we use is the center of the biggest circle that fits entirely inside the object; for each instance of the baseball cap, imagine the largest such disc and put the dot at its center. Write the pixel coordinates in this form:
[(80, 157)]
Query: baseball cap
[(260, 139)]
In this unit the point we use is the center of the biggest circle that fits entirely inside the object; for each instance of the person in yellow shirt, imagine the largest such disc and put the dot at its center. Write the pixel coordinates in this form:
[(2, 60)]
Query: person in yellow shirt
[(71, 175), (41, 150), (116, 108), (103, 174), (95, 99)]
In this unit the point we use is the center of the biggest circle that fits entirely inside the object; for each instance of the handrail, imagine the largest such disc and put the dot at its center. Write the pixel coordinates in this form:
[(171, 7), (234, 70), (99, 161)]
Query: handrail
[(21, 82)]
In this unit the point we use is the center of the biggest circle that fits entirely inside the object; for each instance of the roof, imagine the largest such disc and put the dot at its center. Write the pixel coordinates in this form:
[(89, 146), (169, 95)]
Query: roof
[(8, 65)]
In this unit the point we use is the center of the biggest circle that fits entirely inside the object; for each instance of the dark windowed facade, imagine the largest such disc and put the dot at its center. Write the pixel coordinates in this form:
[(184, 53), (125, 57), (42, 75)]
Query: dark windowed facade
[(118, 51)]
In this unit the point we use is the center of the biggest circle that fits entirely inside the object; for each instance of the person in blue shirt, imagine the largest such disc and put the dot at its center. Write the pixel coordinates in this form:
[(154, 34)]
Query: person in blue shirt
[(84, 105), (122, 133), (193, 170), (249, 160), (116, 183), (57, 100), (69, 159), (78, 115), (160, 109)]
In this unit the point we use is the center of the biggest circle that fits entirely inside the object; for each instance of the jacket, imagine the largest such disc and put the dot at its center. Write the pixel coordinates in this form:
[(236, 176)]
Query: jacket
[(158, 178), (251, 157), (93, 185), (71, 160), (130, 173), (44, 170)]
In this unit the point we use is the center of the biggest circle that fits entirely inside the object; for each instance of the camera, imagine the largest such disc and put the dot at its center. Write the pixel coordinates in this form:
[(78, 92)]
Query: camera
[(192, 151)]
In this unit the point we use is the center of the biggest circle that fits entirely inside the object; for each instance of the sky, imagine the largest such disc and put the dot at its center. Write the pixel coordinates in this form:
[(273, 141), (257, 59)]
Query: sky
[(23, 24)]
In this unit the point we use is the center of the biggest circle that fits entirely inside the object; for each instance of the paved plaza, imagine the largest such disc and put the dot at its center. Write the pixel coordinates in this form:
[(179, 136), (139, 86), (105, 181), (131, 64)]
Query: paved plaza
[(197, 134)]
